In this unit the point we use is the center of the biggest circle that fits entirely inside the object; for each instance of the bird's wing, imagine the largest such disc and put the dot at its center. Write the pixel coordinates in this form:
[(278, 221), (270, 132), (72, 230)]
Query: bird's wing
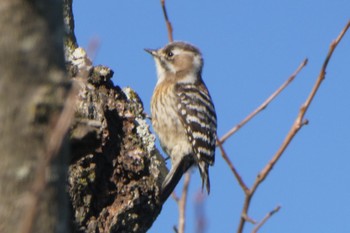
[(197, 113)]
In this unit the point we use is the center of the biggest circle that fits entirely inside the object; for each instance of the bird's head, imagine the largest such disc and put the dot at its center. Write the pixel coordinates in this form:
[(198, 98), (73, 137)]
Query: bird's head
[(178, 60)]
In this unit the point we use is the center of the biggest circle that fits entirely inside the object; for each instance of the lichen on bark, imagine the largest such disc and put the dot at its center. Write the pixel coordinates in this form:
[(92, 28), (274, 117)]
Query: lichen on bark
[(116, 171)]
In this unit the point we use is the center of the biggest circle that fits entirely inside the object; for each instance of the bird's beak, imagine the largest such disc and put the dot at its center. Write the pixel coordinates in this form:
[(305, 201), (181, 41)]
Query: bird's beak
[(153, 52)]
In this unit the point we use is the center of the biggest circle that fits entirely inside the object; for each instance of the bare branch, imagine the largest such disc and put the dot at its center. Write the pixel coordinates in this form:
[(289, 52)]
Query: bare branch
[(93, 48), (233, 169), (299, 122), (175, 197), (264, 104), (249, 192), (264, 220), (322, 74), (248, 219), (167, 22), (182, 203), (200, 213)]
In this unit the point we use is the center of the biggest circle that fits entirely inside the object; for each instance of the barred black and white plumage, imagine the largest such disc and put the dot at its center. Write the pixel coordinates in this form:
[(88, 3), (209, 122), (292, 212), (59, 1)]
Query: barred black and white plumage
[(198, 115), (183, 113)]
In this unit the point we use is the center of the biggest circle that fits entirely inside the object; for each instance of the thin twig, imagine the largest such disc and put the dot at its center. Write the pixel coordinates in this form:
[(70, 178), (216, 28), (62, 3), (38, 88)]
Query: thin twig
[(167, 22), (298, 124), (200, 212), (264, 220), (264, 104), (233, 169), (300, 121), (322, 74), (93, 48), (175, 229), (219, 143), (175, 197), (182, 203), (248, 219)]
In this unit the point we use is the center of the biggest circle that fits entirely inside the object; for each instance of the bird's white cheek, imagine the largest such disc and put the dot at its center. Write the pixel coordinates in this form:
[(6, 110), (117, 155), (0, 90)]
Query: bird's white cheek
[(197, 63), (163, 72), (171, 68), (160, 71)]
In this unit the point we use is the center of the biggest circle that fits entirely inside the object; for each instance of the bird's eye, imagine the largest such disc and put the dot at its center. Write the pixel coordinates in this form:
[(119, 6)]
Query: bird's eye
[(170, 54)]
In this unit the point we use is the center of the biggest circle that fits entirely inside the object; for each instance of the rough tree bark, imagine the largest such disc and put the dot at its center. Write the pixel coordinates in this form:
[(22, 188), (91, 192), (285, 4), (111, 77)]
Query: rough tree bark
[(115, 170), (32, 91)]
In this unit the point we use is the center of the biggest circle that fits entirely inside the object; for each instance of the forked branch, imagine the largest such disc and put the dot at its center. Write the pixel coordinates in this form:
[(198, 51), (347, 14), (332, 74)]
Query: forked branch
[(264, 220), (264, 104), (298, 123)]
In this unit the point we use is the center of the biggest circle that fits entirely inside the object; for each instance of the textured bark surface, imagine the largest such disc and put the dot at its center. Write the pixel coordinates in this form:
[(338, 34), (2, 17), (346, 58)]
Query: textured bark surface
[(32, 91), (116, 172)]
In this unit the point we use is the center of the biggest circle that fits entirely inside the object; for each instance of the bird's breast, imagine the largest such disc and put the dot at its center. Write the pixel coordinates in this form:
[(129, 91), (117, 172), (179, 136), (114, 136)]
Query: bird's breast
[(167, 124)]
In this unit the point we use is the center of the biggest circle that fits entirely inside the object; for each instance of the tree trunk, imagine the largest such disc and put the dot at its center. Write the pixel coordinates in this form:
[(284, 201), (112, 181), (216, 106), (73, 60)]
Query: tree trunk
[(32, 91), (115, 172)]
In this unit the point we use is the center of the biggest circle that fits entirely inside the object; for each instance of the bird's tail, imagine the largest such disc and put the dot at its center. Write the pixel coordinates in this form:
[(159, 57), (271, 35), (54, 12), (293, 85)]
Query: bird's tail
[(174, 176), (204, 172)]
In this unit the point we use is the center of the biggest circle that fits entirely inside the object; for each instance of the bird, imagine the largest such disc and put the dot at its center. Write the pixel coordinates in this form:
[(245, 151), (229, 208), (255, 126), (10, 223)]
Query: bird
[(182, 113)]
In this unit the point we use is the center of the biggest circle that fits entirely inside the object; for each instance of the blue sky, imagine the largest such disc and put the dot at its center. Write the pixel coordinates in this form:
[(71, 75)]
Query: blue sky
[(250, 48)]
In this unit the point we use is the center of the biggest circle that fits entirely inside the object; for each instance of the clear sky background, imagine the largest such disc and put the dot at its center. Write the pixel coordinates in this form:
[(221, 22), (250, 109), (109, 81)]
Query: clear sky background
[(250, 48)]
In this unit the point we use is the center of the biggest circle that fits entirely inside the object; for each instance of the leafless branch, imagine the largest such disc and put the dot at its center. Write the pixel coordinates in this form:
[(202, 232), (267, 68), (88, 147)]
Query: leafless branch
[(167, 22), (248, 118), (93, 48), (248, 219), (175, 229), (264, 104), (200, 213), (182, 203), (233, 169), (322, 74), (264, 220), (175, 197), (299, 122)]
